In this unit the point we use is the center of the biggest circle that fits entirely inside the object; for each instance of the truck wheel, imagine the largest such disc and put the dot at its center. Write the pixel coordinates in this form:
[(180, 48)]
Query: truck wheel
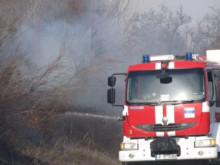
[(137, 163)]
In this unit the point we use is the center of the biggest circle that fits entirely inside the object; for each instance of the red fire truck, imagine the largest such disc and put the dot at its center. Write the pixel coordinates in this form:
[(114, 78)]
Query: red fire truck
[(170, 108)]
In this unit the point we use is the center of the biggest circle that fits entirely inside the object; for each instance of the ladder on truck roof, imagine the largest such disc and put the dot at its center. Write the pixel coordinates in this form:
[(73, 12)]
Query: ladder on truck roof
[(213, 59)]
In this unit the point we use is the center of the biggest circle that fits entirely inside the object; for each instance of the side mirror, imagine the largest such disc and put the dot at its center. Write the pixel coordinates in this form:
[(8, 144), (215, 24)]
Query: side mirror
[(217, 89), (111, 96), (211, 103), (111, 81)]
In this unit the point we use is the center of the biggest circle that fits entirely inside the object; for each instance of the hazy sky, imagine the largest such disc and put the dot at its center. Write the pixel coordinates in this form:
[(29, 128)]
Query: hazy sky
[(195, 8)]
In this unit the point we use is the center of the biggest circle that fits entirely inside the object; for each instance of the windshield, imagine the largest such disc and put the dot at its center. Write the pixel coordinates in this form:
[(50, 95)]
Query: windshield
[(182, 85)]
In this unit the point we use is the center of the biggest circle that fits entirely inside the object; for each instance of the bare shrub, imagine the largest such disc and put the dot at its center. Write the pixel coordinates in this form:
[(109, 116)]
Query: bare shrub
[(13, 14), (28, 102), (76, 6)]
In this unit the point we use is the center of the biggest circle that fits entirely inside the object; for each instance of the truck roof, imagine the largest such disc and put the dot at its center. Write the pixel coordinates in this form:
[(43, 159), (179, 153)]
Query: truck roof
[(173, 64)]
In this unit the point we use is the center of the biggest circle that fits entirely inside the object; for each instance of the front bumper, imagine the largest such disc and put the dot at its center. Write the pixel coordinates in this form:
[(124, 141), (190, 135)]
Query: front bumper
[(187, 151)]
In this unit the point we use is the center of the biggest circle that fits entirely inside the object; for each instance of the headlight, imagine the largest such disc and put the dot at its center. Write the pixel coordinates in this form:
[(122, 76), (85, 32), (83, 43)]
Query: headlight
[(129, 146), (205, 143)]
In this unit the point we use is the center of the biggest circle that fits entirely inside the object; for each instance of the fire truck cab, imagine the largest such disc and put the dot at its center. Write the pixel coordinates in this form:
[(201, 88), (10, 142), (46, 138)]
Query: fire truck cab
[(170, 109)]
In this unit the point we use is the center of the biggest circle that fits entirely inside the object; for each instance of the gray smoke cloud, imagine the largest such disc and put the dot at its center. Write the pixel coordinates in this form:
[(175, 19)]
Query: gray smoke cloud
[(91, 44), (97, 38)]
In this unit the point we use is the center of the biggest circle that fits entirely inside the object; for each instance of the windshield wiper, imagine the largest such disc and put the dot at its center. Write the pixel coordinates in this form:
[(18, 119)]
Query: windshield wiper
[(174, 102), (148, 103), (144, 103), (188, 101)]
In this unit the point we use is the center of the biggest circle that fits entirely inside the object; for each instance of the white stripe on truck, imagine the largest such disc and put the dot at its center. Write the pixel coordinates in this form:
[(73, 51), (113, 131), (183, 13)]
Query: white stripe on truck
[(158, 118), (171, 118), (170, 114)]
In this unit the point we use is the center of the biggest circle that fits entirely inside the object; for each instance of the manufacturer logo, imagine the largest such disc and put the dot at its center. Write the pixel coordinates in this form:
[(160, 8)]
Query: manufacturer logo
[(165, 120), (137, 108)]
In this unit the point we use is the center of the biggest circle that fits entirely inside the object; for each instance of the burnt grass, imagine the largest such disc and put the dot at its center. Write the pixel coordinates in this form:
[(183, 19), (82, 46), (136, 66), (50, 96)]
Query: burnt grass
[(8, 156), (95, 135), (104, 135)]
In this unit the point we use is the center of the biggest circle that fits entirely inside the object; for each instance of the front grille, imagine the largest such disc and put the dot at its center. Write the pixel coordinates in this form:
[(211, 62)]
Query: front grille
[(164, 145), (163, 128)]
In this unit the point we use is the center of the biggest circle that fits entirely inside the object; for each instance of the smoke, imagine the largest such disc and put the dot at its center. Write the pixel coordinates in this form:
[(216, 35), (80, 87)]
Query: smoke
[(94, 39), (43, 43), (90, 38)]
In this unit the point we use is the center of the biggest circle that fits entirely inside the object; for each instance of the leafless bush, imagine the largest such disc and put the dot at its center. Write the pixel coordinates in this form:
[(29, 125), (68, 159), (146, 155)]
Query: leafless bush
[(76, 6), (9, 23), (28, 101)]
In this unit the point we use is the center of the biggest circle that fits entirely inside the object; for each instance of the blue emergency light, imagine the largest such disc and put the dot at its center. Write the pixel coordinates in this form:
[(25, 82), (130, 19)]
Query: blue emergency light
[(189, 56), (146, 58)]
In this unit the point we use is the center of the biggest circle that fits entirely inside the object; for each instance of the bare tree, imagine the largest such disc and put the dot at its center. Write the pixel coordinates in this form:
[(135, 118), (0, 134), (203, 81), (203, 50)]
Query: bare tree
[(207, 34), (159, 32)]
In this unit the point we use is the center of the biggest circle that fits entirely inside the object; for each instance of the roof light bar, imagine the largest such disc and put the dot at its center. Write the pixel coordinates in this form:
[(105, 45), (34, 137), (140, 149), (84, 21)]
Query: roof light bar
[(146, 58), (162, 57), (189, 56)]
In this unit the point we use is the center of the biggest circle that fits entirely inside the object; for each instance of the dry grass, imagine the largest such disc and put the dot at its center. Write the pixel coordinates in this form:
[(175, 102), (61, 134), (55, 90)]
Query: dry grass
[(69, 154), (78, 140)]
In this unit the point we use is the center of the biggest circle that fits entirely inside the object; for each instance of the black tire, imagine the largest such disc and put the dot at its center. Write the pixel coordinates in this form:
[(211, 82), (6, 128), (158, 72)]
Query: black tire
[(133, 163), (126, 163), (138, 163)]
